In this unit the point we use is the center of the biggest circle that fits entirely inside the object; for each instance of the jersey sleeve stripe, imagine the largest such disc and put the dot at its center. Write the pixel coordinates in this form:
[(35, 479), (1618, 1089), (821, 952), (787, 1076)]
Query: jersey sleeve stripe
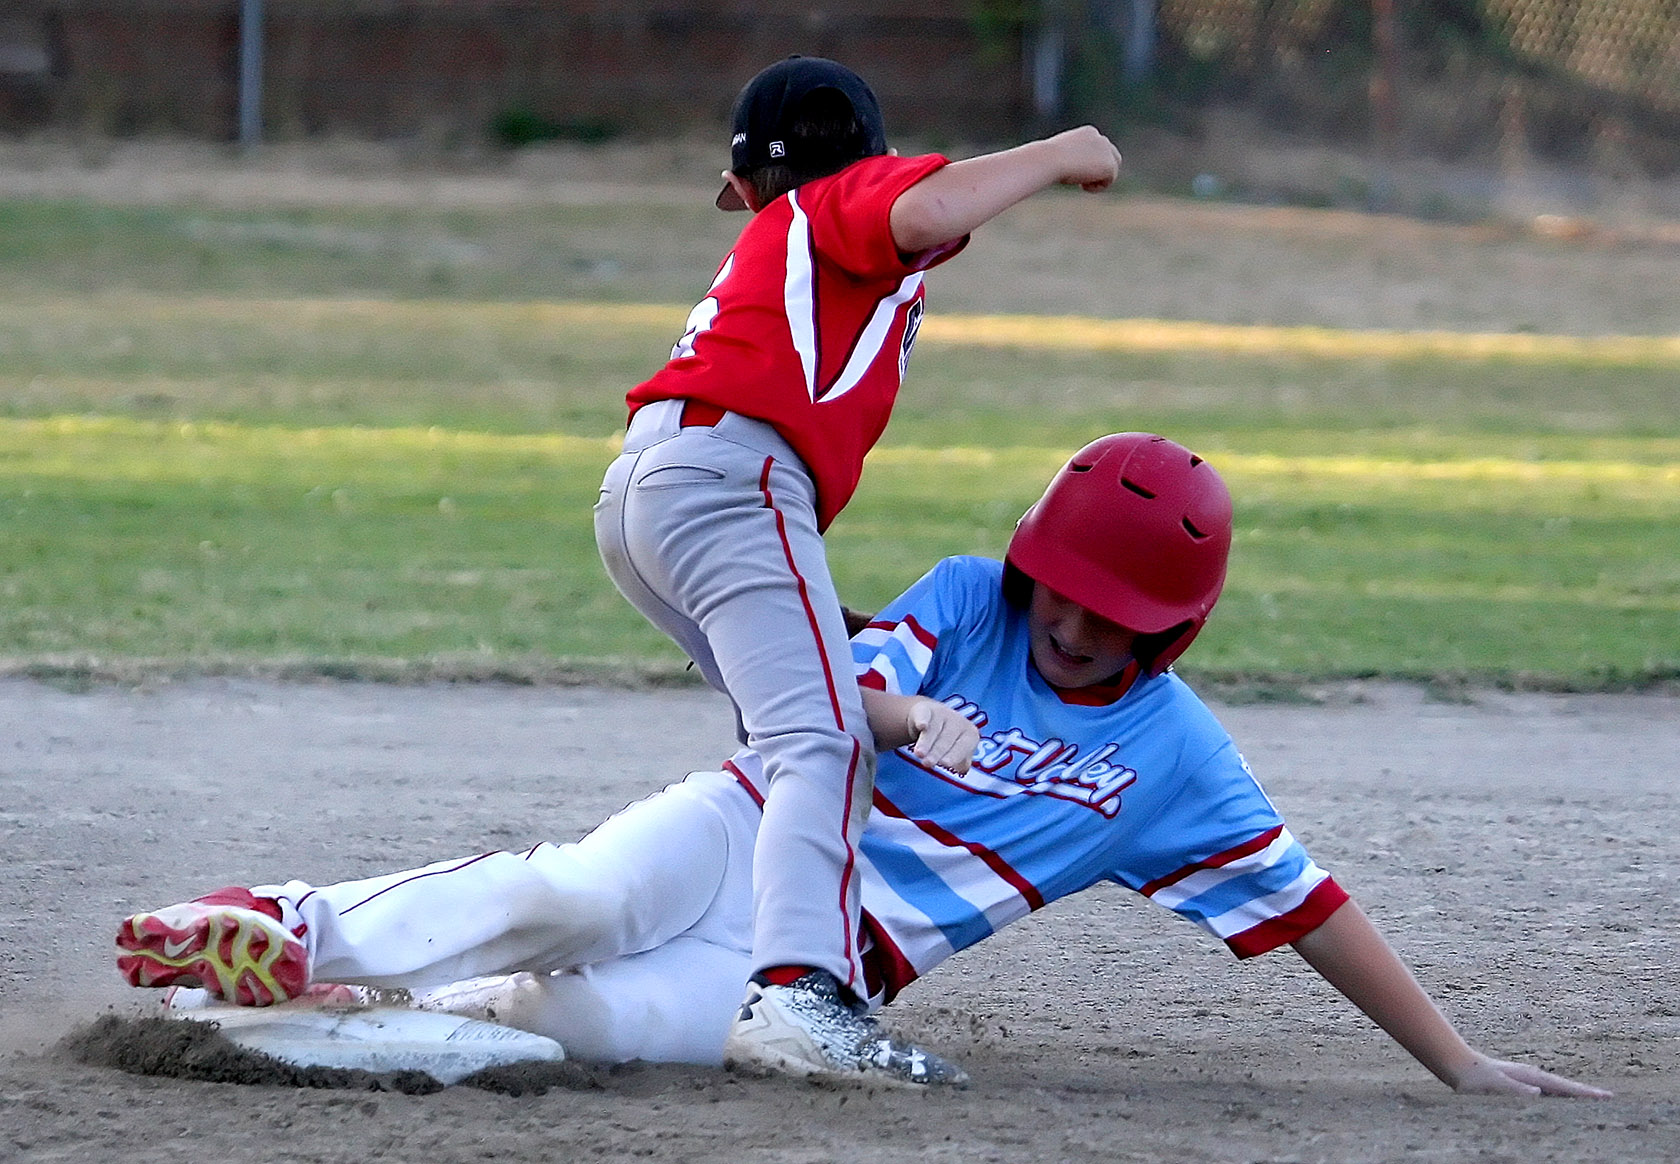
[(882, 675), (799, 293), (1206, 881), (948, 912), (1218, 860), (914, 639), (1325, 899), (923, 636), (1260, 909), (900, 656)]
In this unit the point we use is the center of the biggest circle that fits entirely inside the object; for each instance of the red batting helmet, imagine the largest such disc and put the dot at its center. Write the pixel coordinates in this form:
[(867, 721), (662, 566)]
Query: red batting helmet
[(1137, 529)]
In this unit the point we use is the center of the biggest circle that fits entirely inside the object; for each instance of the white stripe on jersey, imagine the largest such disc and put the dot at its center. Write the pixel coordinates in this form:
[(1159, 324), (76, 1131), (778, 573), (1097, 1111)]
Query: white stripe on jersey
[(874, 335), (956, 869), (799, 293), (799, 302), (1174, 895), (911, 930), (889, 676), (918, 653), (1263, 909)]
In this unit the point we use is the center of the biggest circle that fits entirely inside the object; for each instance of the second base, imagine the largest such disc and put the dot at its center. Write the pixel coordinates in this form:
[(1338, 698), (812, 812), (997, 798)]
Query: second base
[(380, 1039)]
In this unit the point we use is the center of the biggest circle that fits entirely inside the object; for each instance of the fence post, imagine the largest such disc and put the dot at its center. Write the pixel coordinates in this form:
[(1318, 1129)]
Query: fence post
[(1385, 99), (250, 72)]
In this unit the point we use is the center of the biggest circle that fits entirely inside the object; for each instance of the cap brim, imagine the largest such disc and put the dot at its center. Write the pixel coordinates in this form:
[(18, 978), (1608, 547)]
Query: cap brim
[(728, 199)]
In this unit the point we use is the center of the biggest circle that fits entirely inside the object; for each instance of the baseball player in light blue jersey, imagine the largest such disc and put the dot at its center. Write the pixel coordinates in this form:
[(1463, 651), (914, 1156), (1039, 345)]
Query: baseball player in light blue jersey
[(1033, 742)]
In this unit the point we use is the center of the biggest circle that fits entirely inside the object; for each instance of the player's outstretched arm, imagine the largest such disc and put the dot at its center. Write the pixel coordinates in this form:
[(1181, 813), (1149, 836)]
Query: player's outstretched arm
[(954, 199), (1349, 952), (936, 733)]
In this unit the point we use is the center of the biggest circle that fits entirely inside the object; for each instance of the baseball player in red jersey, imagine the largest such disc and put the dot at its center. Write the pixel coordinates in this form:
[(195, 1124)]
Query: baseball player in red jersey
[(741, 451)]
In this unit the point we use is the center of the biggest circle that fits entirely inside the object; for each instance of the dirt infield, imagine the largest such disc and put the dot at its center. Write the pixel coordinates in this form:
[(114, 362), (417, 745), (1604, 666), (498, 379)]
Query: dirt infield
[(1519, 849)]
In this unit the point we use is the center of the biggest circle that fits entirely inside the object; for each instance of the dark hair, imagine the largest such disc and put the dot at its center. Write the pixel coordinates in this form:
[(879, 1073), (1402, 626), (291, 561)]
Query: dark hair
[(1018, 589), (824, 137)]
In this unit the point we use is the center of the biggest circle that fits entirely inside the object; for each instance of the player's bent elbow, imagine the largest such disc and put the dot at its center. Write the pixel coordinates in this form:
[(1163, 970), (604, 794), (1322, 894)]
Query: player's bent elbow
[(918, 224)]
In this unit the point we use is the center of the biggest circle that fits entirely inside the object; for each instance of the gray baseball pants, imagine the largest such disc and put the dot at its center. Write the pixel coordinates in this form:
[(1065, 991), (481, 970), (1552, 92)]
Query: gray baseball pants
[(711, 532)]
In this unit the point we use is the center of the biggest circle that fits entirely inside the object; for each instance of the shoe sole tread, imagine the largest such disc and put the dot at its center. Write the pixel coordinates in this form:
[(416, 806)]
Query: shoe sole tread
[(237, 954)]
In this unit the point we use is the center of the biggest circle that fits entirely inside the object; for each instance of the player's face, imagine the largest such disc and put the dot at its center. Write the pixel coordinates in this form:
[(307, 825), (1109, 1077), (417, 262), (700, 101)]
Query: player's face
[(1071, 646)]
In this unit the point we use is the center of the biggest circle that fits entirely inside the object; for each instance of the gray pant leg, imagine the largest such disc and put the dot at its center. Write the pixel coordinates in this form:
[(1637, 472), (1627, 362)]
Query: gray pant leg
[(711, 533)]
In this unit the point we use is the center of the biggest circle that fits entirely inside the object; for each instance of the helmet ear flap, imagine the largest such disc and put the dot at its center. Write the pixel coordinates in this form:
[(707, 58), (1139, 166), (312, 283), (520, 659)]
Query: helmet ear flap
[(1163, 647)]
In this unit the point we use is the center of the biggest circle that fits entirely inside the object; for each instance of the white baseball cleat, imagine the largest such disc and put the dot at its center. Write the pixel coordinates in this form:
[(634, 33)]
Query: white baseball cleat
[(805, 1028)]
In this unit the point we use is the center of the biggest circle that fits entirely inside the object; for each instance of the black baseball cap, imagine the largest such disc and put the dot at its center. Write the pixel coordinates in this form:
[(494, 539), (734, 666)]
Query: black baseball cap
[(764, 110)]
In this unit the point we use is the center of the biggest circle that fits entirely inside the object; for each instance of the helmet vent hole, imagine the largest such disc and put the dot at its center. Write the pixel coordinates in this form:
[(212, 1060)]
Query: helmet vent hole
[(1193, 531), (1194, 460), (1076, 467), (1138, 489)]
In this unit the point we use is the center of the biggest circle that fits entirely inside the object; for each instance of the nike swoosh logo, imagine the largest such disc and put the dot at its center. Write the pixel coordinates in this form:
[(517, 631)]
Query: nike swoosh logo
[(174, 948)]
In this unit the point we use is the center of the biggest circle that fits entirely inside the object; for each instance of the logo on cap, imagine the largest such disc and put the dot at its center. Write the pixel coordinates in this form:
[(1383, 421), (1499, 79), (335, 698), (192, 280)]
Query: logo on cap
[(778, 150)]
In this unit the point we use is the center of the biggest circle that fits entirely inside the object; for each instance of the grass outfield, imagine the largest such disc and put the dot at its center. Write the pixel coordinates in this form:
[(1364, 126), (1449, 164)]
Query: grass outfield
[(146, 545), (274, 478)]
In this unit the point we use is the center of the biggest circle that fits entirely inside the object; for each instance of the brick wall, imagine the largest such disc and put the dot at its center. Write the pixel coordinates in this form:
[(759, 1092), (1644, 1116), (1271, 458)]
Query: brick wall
[(446, 67)]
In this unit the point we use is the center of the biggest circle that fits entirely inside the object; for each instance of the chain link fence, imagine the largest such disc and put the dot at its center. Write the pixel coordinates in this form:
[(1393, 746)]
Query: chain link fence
[(1580, 81), (1628, 49)]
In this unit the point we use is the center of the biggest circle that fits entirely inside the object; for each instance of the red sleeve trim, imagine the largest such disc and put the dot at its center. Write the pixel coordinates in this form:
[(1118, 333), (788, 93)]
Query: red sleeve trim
[(1325, 899), (873, 680), (924, 636)]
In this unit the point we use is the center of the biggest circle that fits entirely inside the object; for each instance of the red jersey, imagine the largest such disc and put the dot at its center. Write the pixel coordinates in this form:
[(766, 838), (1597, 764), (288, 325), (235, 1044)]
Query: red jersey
[(809, 323)]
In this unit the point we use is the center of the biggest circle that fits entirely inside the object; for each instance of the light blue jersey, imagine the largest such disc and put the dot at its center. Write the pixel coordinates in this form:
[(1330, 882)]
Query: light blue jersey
[(1147, 791)]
